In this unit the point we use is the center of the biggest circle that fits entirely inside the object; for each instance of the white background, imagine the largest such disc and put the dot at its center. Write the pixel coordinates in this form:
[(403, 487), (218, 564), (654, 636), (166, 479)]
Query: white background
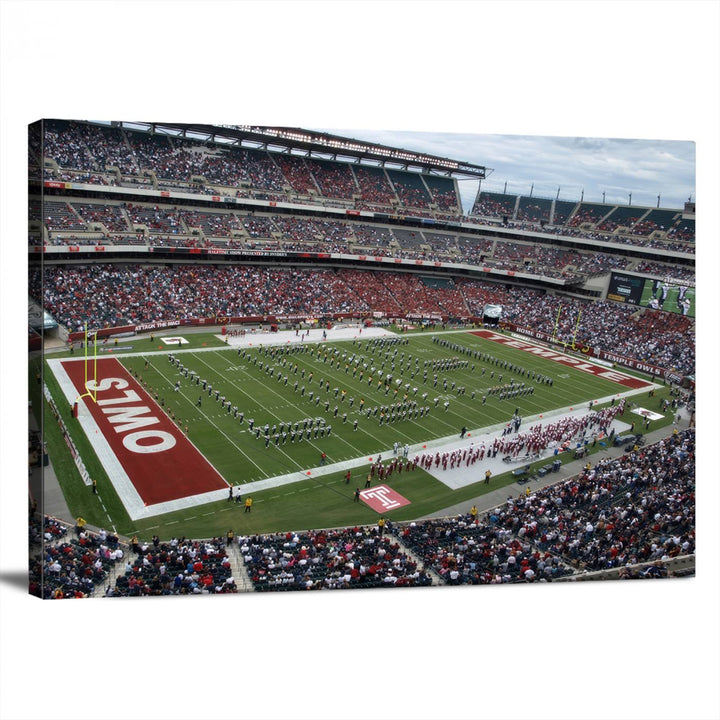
[(622, 650)]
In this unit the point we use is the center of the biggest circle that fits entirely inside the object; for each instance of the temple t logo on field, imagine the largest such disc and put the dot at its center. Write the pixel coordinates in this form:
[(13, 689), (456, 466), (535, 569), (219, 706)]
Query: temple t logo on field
[(382, 498)]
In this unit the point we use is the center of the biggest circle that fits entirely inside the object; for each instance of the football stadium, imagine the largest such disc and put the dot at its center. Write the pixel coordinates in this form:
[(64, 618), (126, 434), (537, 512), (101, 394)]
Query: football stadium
[(270, 359)]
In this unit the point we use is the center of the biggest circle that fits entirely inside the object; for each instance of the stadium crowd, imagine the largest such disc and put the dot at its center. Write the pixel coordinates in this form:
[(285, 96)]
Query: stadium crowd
[(358, 557), (177, 567), (638, 508), (109, 295), (71, 568), (666, 245), (74, 223), (87, 153), (634, 512), (664, 340)]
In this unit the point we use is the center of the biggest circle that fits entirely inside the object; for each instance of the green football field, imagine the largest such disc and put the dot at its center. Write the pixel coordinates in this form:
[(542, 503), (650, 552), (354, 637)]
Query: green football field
[(344, 383), (339, 383)]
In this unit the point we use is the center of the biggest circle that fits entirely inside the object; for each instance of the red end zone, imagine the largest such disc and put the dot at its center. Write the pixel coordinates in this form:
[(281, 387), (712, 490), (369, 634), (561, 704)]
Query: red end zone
[(626, 380), (162, 464)]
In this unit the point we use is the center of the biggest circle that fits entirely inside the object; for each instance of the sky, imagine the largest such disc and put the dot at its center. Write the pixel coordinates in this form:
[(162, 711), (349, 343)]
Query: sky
[(626, 171), (485, 68)]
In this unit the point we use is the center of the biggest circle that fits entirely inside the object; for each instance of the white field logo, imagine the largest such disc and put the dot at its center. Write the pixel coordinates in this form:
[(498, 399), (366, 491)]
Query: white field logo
[(176, 340), (647, 414)]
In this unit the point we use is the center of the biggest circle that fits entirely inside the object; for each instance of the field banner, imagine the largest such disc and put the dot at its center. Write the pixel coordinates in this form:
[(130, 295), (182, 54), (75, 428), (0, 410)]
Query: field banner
[(136, 441), (577, 363)]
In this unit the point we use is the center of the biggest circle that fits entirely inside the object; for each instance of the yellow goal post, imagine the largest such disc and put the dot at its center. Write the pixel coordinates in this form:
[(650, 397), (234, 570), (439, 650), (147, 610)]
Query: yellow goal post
[(88, 362)]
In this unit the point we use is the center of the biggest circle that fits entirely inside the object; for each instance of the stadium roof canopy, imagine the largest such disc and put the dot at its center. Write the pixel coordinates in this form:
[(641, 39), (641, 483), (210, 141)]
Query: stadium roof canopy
[(309, 143)]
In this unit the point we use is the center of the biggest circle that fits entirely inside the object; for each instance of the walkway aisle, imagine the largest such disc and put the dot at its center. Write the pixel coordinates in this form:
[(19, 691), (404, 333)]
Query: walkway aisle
[(239, 569), (436, 579)]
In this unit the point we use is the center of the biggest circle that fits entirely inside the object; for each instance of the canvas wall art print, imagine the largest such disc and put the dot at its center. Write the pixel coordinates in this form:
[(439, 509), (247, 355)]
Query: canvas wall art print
[(271, 359)]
